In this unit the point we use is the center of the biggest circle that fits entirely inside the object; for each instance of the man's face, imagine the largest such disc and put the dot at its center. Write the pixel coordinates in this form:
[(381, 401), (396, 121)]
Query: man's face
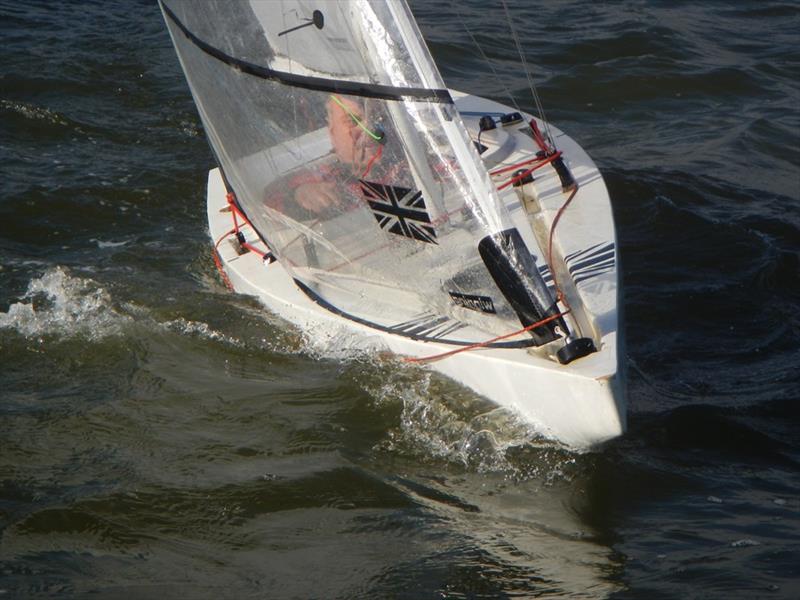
[(345, 133)]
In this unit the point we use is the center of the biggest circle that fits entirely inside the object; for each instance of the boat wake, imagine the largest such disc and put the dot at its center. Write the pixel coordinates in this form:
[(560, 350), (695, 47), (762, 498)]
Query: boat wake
[(342, 344), (202, 330), (437, 419)]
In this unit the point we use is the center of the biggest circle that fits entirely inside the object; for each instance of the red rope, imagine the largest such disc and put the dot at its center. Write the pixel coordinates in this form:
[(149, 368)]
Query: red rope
[(236, 230), (375, 157), (218, 260), (527, 172), (543, 162), (560, 297), (539, 138), (550, 155), (486, 343), (252, 248), (235, 211)]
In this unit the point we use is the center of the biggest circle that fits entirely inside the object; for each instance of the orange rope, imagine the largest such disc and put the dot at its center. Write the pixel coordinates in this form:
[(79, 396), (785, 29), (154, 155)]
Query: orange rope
[(560, 297), (486, 343), (218, 260), (541, 161), (375, 157), (235, 211)]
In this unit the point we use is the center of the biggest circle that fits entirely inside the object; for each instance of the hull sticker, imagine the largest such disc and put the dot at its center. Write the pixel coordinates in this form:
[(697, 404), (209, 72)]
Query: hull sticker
[(591, 262), (478, 303)]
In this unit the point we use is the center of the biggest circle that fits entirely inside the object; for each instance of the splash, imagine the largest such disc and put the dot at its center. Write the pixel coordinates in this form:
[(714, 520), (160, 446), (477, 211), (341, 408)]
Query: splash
[(340, 342), (445, 421), (202, 330), (58, 303), (439, 420)]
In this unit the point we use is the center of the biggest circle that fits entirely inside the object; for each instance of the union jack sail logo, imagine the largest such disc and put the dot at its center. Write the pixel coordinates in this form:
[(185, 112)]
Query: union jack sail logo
[(399, 210)]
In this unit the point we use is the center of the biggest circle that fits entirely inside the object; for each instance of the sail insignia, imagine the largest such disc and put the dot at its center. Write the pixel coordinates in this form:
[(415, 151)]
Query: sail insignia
[(399, 210)]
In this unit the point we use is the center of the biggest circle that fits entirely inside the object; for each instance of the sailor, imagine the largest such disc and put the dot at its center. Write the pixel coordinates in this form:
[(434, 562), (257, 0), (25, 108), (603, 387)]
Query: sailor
[(363, 149), (356, 149)]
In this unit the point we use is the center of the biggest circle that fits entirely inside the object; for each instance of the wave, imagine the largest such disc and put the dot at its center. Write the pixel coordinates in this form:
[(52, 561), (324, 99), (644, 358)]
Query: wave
[(33, 112), (58, 304), (440, 421)]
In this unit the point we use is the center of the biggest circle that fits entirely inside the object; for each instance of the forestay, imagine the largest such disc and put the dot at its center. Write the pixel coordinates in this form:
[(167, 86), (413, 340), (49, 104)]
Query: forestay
[(335, 131)]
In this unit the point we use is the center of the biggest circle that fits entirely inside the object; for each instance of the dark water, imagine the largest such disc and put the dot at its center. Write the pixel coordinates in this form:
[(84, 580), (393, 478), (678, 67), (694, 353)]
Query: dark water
[(160, 437)]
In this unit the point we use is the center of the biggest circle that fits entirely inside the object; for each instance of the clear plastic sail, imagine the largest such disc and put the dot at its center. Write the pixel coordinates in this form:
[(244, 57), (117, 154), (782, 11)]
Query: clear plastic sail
[(337, 134)]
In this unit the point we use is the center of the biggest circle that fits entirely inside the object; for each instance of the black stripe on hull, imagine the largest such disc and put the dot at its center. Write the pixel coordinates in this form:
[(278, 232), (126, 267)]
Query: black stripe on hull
[(320, 301)]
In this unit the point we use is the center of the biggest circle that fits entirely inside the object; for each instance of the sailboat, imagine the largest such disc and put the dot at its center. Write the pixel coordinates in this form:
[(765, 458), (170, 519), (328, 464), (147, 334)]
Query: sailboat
[(355, 190)]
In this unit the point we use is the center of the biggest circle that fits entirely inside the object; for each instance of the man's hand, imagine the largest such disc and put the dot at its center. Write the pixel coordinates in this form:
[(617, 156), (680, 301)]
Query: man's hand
[(315, 197)]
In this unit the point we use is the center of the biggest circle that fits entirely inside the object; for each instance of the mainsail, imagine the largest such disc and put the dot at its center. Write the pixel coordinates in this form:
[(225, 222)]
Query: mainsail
[(334, 129)]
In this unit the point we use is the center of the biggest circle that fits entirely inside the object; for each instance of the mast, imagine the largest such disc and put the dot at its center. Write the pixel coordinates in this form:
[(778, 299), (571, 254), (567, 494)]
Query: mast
[(449, 119)]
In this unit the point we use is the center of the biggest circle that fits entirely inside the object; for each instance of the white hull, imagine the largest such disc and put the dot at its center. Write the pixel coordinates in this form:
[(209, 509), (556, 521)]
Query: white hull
[(580, 404)]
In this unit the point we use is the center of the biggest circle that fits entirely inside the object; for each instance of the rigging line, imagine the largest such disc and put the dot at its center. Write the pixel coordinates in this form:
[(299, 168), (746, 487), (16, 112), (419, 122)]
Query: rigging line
[(506, 89), (535, 95), (372, 160), (529, 170), (485, 344), (560, 296)]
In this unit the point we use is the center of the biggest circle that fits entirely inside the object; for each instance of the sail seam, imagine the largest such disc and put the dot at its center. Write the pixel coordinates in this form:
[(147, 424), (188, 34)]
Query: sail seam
[(337, 86)]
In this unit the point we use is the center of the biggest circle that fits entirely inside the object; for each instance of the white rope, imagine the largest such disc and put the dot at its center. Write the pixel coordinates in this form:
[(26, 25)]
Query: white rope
[(535, 95), (497, 78)]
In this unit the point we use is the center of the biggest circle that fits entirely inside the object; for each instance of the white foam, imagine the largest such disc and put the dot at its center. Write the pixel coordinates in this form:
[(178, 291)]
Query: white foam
[(203, 330), (443, 422), (30, 111), (110, 243), (341, 343), (745, 542), (61, 304)]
